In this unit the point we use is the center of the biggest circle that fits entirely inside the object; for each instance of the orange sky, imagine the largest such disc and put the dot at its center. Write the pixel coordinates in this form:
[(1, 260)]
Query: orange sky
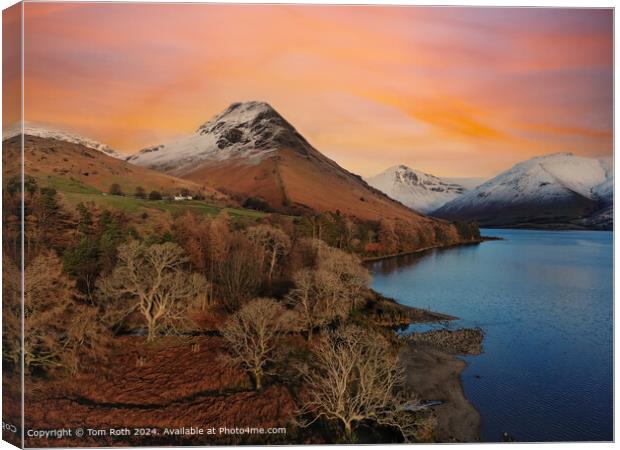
[(452, 91)]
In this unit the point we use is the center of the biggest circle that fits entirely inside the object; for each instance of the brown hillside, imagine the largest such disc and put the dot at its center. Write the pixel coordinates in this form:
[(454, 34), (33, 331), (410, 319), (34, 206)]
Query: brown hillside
[(287, 179), (44, 158), (252, 150)]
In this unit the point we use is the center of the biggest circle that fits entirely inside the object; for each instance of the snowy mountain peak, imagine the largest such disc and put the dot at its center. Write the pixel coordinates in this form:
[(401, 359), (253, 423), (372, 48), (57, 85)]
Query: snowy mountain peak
[(576, 173), (558, 186), (59, 135), (240, 112), (250, 130), (404, 174), (418, 190)]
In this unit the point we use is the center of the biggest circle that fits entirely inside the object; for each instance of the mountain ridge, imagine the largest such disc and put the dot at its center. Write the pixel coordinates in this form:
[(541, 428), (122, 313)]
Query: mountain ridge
[(250, 150), (418, 190), (31, 129), (48, 158), (252, 129), (557, 188)]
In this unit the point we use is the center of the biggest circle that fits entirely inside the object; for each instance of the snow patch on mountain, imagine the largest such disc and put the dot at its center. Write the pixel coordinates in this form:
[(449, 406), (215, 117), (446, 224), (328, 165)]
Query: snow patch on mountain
[(249, 131), (605, 191), (418, 190), (59, 135), (542, 180)]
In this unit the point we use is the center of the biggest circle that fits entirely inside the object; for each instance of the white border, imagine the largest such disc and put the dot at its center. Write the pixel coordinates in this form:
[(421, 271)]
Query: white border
[(484, 3)]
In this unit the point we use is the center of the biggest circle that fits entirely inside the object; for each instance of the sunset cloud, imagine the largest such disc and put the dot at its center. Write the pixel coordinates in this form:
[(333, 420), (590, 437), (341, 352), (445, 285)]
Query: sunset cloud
[(452, 91)]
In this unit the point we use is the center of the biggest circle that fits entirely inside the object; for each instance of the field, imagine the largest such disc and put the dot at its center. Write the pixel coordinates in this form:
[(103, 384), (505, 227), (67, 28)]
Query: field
[(74, 191)]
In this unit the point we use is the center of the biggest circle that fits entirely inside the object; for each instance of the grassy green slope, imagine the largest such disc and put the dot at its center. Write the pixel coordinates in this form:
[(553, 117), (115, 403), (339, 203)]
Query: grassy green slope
[(74, 191)]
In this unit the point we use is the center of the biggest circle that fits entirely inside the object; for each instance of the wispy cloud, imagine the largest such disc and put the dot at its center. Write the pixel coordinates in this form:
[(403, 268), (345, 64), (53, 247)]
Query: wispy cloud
[(454, 91)]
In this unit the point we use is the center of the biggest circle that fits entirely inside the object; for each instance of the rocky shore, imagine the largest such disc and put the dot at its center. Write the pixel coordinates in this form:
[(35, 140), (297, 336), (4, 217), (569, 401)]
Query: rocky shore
[(432, 367), (386, 312), (466, 341), (431, 360), (434, 373)]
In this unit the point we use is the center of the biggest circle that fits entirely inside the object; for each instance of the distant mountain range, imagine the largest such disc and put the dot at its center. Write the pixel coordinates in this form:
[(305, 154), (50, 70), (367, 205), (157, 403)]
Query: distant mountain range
[(418, 190), (250, 150), (559, 190)]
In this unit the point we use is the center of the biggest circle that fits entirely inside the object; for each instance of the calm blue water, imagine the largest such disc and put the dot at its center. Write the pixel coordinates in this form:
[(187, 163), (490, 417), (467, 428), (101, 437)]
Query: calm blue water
[(545, 302)]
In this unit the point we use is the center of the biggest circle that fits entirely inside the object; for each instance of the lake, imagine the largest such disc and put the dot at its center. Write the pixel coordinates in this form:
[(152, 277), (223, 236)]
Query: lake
[(545, 302)]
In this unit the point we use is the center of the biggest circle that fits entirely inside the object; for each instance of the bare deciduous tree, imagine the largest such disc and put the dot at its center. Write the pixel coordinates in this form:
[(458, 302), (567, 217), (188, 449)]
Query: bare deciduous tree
[(252, 334), (206, 242), (313, 299), (305, 301), (151, 280), (273, 243), (357, 377), (238, 275), (47, 300), (87, 338), (387, 236), (330, 290), (343, 275), (58, 331)]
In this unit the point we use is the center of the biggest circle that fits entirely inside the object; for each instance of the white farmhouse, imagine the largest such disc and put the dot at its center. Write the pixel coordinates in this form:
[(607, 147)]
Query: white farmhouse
[(182, 197)]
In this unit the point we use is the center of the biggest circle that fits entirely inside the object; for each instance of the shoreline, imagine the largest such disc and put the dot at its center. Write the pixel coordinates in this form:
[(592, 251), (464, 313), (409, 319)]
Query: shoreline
[(436, 376), (425, 249), (433, 372), (547, 227), (388, 313)]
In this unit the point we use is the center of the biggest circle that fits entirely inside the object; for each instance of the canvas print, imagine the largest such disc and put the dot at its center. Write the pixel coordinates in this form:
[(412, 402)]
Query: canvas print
[(235, 224)]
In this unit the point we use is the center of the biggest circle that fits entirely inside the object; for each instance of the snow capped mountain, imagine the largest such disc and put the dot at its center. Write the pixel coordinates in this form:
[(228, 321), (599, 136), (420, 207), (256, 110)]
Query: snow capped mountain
[(251, 130), (251, 152), (559, 187), (417, 190), (34, 130)]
